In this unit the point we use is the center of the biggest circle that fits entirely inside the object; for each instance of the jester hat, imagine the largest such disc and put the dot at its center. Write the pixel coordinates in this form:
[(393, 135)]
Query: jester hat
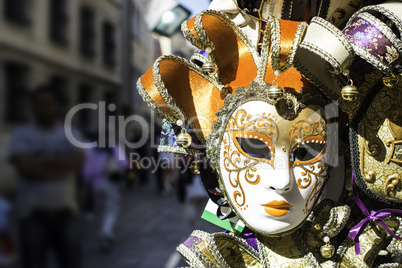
[(178, 89)]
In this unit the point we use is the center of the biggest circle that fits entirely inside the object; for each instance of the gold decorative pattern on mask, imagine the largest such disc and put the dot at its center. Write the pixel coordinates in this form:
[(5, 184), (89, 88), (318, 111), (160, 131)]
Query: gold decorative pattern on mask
[(380, 145), (319, 183), (236, 161), (391, 184), (304, 128), (307, 132), (233, 164), (313, 169), (264, 124), (395, 127)]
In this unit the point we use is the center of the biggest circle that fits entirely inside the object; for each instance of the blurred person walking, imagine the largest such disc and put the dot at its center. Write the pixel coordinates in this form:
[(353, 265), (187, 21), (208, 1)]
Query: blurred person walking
[(47, 204), (170, 172), (192, 193), (140, 151), (105, 171)]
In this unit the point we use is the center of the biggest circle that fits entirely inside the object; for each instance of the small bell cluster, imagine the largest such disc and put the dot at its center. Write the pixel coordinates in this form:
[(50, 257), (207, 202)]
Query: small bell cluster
[(350, 92)]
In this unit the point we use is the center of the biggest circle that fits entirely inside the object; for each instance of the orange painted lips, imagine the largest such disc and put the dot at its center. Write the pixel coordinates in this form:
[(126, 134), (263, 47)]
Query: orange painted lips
[(277, 208)]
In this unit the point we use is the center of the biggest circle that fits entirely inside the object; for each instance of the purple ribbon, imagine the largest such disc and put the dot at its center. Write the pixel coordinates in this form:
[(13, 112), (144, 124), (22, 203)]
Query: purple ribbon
[(357, 230)]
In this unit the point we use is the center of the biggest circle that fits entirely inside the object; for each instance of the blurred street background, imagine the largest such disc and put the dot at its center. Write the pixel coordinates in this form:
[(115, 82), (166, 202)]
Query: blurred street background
[(68, 71), (148, 230)]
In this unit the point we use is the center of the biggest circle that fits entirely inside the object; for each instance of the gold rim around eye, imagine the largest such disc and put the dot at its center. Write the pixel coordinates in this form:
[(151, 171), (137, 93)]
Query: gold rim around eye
[(249, 134), (311, 139)]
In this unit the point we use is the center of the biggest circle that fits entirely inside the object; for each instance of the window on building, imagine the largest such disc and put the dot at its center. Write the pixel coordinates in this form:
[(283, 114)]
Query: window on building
[(136, 22), (108, 44), (84, 96), (87, 32), (60, 85), (16, 92), (110, 97), (58, 25), (16, 11)]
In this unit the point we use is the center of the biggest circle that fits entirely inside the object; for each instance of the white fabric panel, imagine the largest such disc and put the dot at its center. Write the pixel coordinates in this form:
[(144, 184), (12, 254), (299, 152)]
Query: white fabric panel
[(327, 41), (393, 6)]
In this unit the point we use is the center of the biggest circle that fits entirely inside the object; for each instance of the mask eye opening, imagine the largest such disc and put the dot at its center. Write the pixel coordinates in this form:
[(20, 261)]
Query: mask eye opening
[(308, 150), (254, 145)]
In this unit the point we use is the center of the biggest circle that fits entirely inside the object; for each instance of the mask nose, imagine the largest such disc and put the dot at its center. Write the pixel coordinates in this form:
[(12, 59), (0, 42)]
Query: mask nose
[(280, 179), (282, 183)]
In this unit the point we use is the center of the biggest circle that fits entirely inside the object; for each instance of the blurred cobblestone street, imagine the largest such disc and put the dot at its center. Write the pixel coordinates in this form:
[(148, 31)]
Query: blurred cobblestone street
[(148, 231)]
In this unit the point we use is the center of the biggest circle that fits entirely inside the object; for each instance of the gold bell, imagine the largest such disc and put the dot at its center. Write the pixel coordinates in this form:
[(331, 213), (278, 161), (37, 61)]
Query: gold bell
[(209, 68), (275, 92), (327, 251), (195, 167), (184, 139), (390, 81), (349, 92)]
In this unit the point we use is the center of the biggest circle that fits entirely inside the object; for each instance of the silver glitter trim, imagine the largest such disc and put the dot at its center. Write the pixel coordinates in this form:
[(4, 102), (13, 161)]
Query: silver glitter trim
[(386, 31), (388, 13)]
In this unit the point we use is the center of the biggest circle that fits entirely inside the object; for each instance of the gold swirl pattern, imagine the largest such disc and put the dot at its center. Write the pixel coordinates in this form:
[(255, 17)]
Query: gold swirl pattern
[(307, 130), (304, 128), (263, 124), (319, 183), (234, 159), (391, 184), (380, 148), (235, 166), (319, 171), (309, 171), (372, 149)]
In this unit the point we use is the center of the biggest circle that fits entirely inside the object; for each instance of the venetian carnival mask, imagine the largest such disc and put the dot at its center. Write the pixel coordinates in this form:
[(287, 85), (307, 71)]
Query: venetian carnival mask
[(377, 148), (376, 129), (375, 110), (271, 168), (269, 155)]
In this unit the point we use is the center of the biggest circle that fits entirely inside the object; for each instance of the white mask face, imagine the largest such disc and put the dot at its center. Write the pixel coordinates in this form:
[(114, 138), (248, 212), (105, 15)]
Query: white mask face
[(273, 169)]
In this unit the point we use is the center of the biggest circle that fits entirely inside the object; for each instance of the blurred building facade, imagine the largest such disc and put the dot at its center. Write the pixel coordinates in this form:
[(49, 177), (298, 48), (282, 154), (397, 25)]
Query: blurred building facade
[(145, 47), (87, 50), (73, 45), (142, 50)]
